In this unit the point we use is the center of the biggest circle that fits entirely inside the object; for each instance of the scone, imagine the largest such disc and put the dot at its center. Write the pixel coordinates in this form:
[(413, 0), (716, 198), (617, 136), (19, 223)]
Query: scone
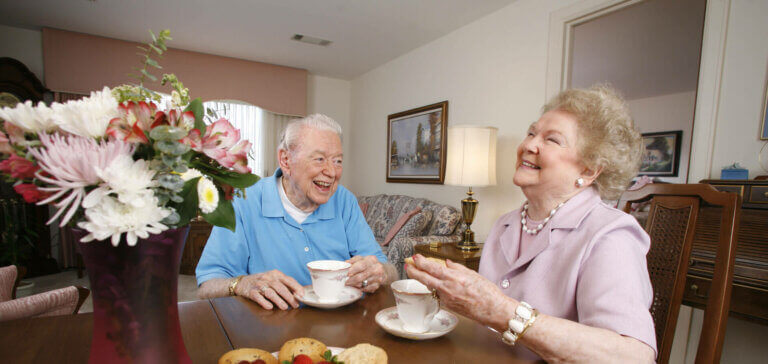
[(409, 260), (363, 354), (247, 354), (303, 345)]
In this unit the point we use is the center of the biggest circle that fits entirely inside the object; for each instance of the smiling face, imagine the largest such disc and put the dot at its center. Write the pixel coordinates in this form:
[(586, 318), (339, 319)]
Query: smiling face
[(311, 172), (548, 161)]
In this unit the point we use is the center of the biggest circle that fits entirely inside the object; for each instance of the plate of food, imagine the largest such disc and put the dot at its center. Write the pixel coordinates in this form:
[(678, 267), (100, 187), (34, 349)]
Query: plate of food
[(307, 351)]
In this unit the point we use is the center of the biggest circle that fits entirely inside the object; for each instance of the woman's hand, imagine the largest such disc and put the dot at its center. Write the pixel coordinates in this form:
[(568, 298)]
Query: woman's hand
[(366, 269), (270, 288), (464, 291)]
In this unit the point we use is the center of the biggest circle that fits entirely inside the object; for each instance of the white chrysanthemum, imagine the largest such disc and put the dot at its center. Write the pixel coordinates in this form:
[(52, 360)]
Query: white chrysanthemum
[(130, 180), (88, 117), (29, 118), (191, 173), (111, 218), (207, 195)]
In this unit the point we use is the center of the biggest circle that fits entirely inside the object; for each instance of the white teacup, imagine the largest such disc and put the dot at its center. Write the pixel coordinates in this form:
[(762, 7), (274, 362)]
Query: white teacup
[(416, 305), (328, 278)]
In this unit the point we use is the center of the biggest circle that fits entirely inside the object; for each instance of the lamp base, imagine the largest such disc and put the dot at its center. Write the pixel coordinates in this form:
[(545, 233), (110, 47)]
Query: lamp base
[(468, 244)]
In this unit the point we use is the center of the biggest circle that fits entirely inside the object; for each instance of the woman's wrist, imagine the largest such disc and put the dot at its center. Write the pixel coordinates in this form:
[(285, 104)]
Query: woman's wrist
[(500, 320)]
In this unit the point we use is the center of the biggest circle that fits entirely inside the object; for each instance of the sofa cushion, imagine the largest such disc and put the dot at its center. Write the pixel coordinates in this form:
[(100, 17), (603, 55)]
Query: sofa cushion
[(416, 225), (412, 221), (444, 221), (363, 207)]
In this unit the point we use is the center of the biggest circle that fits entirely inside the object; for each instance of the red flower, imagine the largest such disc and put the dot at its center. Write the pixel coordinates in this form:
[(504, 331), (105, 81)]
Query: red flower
[(135, 119), (18, 167), (30, 192)]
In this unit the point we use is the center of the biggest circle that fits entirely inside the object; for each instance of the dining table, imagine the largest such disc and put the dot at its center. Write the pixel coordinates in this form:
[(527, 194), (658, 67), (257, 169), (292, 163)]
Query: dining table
[(212, 327)]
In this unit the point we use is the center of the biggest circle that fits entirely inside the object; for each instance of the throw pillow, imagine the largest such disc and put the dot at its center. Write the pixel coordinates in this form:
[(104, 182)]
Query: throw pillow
[(363, 207), (399, 224), (445, 220), (415, 225)]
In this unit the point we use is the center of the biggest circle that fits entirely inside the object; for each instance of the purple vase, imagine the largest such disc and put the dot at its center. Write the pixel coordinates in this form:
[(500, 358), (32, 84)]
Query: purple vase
[(135, 310)]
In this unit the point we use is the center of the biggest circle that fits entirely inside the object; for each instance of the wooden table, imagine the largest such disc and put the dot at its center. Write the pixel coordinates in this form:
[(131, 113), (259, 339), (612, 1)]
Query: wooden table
[(67, 339), (213, 327), (469, 259)]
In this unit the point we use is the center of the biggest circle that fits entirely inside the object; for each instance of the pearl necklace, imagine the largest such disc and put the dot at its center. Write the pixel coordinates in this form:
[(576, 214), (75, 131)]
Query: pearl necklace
[(538, 228)]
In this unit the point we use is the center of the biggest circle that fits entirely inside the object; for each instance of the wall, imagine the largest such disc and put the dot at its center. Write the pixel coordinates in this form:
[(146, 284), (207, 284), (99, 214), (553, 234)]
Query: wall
[(24, 45), (667, 113), (493, 72), (331, 96)]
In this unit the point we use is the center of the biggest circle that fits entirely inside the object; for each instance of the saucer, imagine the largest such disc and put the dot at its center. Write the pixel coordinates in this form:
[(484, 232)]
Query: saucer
[(348, 295), (334, 351), (443, 323)]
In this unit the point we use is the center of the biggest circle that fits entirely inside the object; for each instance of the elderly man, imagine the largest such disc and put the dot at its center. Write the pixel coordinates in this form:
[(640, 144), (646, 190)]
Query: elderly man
[(298, 215)]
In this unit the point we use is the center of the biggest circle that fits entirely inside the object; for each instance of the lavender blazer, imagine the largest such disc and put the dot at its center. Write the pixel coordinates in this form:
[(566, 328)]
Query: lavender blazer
[(587, 265)]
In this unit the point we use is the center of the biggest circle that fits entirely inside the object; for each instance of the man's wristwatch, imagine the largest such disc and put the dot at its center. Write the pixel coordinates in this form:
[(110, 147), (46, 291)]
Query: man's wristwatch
[(525, 316), (233, 284)]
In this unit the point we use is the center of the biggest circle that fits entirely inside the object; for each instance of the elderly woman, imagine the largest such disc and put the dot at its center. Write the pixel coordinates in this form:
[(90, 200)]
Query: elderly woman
[(565, 275)]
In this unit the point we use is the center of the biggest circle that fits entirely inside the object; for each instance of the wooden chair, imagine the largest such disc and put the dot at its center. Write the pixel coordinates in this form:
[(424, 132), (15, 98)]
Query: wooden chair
[(674, 209)]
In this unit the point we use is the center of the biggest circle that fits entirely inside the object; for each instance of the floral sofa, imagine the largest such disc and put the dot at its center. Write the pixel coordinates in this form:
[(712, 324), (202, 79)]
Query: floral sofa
[(400, 222)]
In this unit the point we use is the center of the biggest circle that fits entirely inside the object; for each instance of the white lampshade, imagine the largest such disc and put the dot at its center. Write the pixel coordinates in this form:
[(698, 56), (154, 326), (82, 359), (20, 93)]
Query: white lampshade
[(471, 159)]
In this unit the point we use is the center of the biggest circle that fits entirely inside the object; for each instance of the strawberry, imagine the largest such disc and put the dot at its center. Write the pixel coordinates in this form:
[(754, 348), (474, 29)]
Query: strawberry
[(258, 361), (302, 359)]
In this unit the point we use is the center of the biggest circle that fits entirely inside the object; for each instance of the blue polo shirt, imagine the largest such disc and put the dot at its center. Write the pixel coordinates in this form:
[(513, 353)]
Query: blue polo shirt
[(267, 238)]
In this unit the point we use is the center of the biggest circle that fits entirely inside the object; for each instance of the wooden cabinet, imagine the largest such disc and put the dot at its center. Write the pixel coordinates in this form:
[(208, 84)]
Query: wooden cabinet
[(193, 249), (750, 281)]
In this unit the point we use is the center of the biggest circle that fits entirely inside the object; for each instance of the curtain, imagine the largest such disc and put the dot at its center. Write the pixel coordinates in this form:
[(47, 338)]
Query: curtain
[(261, 127)]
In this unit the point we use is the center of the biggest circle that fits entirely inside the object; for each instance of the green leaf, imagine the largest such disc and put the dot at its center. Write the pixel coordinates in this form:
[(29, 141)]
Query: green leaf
[(153, 63), (231, 178), (148, 75), (157, 50), (143, 49), (154, 39), (224, 215), (187, 210), (196, 106)]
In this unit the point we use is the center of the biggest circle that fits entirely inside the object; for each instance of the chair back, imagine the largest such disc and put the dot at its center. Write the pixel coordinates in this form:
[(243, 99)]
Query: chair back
[(674, 209)]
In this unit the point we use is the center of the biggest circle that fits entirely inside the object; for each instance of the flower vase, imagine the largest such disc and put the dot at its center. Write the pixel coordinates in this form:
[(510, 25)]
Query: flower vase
[(135, 310)]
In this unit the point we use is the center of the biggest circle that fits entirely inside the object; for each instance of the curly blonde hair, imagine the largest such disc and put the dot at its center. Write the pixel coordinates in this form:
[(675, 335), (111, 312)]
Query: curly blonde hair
[(608, 137)]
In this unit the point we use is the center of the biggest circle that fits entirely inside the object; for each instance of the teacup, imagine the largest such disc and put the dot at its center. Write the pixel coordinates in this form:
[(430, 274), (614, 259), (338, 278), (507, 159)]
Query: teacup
[(328, 278), (416, 305)]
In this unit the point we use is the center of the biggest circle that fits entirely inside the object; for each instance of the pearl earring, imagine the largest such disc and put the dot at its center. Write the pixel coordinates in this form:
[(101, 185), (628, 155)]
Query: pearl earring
[(579, 182)]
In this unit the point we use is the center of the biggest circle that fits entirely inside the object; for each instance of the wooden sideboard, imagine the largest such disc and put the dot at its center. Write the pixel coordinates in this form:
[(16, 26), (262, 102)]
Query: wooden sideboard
[(193, 249), (749, 298)]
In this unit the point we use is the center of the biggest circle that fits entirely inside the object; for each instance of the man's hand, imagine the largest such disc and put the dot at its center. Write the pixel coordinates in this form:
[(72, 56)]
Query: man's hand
[(366, 269), (270, 288)]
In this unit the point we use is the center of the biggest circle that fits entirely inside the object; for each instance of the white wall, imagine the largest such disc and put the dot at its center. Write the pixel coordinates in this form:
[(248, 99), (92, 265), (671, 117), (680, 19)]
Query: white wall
[(24, 45), (667, 113), (331, 96), (743, 88), (493, 72)]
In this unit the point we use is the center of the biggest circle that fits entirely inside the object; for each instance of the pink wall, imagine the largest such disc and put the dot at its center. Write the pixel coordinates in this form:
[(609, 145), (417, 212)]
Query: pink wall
[(80, 63)]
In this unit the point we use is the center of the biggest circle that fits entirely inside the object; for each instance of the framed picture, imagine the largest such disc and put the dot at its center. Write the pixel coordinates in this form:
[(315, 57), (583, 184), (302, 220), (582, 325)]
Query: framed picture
[(764, 123), (662, 154), (416, 144)]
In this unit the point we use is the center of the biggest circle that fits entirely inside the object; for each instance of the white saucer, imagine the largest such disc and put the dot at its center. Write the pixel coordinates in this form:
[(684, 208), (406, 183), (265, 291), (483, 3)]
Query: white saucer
[(348, 295), (443, 323), (334, 351)]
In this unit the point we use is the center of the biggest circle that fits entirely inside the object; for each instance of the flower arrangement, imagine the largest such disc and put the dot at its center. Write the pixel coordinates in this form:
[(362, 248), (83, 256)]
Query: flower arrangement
[(114, 163)]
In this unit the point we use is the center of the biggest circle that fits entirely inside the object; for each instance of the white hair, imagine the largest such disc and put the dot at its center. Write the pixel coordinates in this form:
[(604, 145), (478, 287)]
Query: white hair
[(290, 135)]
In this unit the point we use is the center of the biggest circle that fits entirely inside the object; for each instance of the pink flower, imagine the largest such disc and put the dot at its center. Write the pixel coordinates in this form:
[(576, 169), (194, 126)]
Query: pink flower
[(222, 143), (70, 164), (135, 119), (18, 167), (185, 120), (5, 144), (30, 192), (15, 134)]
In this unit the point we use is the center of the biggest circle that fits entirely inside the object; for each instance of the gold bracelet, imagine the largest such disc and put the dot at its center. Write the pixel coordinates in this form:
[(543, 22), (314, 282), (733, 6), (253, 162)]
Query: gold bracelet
[(233, 285), (524, 318)]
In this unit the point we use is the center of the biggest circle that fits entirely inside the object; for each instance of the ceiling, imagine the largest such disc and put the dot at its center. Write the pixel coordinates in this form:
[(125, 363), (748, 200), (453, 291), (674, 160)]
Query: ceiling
[(365, 33)]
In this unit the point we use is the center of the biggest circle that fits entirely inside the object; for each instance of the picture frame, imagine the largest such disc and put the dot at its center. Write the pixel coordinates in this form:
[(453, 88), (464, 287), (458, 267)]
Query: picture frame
[(410, 160), (662, 154), (764, 123)]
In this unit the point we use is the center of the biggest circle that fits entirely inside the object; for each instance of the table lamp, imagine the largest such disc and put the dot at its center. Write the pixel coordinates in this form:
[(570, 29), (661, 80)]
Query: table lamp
[(471, 161)]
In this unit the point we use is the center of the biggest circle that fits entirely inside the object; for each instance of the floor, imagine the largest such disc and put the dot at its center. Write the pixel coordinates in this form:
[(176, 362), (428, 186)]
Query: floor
[(187, 286)]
